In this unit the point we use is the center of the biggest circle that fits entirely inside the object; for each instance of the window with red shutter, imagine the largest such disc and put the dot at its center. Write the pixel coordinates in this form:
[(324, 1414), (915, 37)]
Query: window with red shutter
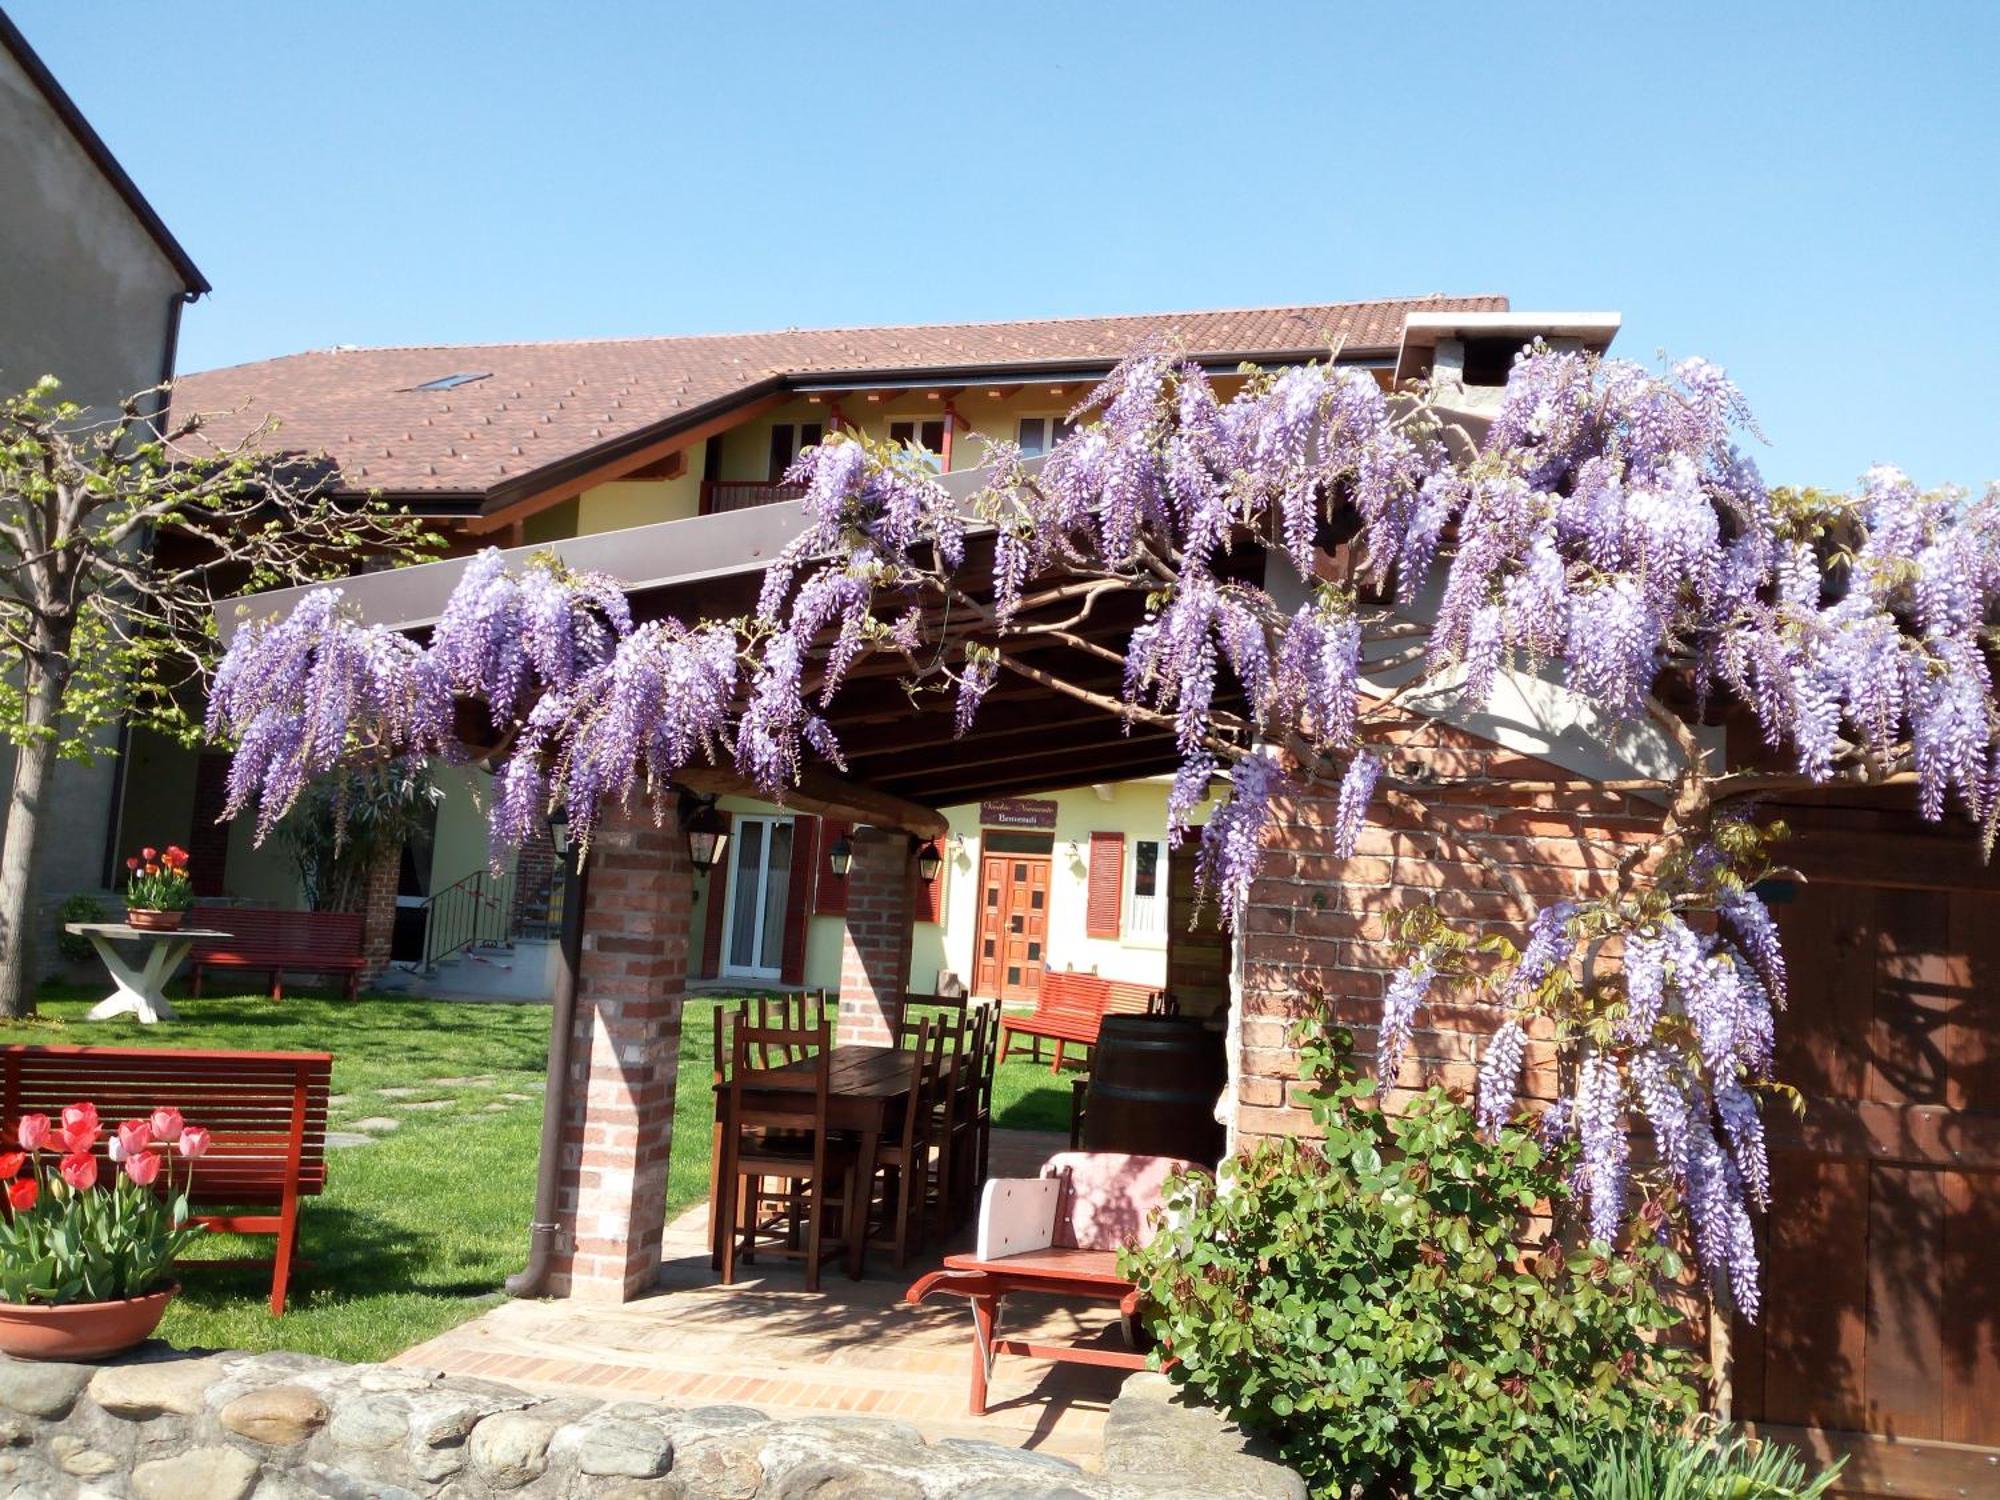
[(930, 893), (1107, 884)]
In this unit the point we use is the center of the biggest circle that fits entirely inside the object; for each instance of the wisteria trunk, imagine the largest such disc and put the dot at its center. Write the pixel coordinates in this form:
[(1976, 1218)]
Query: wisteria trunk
[(21, 844)]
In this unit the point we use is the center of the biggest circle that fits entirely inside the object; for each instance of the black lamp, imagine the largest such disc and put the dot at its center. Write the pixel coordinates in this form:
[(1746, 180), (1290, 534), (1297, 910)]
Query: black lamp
[(840, 858), (929, 861), (707, 833)]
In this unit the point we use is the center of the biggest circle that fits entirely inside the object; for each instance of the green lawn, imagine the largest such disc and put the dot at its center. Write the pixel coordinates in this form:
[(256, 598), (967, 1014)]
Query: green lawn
[(417, 1230)]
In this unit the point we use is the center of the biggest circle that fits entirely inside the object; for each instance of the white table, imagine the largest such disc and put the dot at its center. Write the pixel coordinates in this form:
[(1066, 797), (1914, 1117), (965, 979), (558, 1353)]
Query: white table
[(139, 992)]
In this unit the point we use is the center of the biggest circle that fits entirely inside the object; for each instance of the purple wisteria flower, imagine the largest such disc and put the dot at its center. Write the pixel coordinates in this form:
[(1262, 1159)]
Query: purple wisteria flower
[(1500, 1075), (1351, 809), (1407, 989)]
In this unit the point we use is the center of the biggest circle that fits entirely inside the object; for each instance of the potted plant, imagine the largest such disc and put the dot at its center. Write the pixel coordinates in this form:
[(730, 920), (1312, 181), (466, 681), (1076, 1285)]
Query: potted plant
[(88, 1241), (157, 892)]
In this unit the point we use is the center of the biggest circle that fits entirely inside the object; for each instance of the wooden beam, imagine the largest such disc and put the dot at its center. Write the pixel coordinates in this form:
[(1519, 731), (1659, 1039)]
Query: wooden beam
[(619, 468), (829, 795), (953, 780)]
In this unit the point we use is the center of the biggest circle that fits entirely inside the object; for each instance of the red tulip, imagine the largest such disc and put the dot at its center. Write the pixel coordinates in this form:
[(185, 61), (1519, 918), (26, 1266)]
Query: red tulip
[(80, 1126), (32, 1131), (152, 869), (134, 1136), (166, 1123), (193, 1142), (11, 1163), (79, 1170), (143, 1168), (132, 863), (149, 854), (22, 1192)]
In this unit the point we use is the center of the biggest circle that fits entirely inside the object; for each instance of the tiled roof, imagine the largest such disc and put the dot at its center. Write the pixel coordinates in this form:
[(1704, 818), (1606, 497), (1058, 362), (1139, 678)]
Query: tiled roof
[(543, 405)]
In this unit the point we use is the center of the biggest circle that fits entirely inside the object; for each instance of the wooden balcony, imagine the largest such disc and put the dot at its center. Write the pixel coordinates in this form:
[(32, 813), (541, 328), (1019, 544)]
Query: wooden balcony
[(719, 495)]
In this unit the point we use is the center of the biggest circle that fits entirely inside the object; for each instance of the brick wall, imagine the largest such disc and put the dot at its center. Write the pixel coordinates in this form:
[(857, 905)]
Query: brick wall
[(378, 910), (618, 1131), (875, 942), (1315, 925)]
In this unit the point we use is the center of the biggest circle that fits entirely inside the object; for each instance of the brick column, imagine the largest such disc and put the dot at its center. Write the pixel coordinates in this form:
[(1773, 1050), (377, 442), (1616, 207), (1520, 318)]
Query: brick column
[(611, 1203), (875, 944), (378, 910)]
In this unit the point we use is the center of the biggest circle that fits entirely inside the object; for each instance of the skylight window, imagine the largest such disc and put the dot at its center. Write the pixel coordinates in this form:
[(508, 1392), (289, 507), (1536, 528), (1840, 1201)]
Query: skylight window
[(453, 382)]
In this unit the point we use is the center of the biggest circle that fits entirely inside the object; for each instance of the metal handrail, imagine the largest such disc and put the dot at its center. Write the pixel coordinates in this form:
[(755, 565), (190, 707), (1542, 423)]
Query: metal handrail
[(478, 909)]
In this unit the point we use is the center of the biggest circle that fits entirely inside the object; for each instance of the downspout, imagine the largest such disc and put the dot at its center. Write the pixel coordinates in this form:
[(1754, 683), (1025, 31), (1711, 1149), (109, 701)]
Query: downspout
[(529, 1280)]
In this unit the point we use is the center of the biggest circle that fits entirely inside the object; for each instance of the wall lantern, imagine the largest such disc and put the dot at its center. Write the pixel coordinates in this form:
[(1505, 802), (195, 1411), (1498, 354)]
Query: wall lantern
[(707, 835), (929, 861), (559, 832), (840, 858)]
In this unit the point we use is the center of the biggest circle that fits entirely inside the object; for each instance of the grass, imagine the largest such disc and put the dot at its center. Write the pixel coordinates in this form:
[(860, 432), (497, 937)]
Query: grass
[(416, 1232)]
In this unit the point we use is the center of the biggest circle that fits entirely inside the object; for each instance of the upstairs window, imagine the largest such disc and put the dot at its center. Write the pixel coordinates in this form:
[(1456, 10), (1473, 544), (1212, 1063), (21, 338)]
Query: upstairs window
[(1037, 435), (926, 433), (789, 440)]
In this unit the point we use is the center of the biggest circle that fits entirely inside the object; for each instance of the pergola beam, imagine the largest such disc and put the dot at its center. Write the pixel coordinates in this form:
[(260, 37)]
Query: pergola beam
[(828, 795)]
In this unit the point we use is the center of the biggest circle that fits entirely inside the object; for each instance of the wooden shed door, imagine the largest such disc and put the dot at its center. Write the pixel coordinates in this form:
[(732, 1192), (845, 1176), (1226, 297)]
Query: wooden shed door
[(1882, 1274)]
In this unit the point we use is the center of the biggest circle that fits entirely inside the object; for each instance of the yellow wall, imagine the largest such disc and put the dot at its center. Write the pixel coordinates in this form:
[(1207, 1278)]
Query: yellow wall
[(639, 502), (459, 847)]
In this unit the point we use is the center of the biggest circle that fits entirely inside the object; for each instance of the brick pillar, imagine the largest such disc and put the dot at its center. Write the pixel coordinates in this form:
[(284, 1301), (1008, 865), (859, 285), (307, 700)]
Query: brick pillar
[(611, 1204), (875, 945), (378, 910)]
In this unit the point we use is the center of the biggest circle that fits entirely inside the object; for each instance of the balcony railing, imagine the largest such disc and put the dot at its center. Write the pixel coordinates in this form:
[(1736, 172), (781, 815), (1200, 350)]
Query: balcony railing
[(743, 494)]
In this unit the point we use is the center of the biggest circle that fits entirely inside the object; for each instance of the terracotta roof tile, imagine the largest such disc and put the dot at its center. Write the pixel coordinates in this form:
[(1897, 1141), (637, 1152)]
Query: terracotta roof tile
[(537, 405)]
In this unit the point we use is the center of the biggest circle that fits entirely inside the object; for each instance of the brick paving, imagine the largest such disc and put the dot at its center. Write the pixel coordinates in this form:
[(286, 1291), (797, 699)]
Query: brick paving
[(766, 1342)]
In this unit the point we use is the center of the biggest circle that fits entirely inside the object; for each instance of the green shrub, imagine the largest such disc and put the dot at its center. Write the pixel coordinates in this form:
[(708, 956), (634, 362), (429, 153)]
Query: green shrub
[(1701, 1465), (81, 907), (1365, 1303)]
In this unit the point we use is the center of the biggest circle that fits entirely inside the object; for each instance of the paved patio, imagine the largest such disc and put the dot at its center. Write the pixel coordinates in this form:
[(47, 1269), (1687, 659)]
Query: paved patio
[(766, 1342)]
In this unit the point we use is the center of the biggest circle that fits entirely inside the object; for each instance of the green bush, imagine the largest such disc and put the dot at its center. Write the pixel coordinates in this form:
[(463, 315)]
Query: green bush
[(1654, 1465), (79, 908), (1368, 1305)]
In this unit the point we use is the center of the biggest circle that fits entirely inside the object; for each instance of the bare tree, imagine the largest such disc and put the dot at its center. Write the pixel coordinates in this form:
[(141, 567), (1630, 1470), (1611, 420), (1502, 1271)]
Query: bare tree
[(118, 536)]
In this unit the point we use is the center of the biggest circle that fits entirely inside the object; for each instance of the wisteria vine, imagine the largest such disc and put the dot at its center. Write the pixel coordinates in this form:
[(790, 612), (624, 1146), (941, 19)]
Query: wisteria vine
[(1605, 532)]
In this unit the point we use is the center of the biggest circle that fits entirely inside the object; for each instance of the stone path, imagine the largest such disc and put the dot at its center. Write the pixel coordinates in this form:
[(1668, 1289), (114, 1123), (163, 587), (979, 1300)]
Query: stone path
[(766, 1342)]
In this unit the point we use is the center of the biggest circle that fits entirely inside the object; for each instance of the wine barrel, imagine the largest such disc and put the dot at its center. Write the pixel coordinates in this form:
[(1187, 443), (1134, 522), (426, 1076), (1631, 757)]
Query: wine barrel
[(1153, 1085)]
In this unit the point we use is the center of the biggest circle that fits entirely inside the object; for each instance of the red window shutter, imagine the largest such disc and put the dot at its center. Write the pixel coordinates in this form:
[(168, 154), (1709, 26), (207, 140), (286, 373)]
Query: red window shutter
[(930, 893), (711, 923), (798, 900), (1107, 884), (830, 899)]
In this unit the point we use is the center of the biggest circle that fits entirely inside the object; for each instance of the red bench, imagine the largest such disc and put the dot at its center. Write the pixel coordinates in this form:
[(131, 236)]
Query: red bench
[(266, 1112), (1071, 1007), (315, 942)]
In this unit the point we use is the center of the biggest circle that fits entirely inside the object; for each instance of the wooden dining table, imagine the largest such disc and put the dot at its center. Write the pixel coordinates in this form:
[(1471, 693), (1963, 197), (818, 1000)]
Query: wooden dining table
[(868, 1088)]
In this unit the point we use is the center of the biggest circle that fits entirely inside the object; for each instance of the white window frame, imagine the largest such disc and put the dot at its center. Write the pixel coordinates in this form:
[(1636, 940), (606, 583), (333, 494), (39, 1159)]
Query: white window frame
[(1050, 437), (1145, 923), (729, 969)]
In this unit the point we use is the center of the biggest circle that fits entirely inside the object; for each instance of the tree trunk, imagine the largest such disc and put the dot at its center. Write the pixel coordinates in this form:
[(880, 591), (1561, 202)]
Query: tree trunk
[(21, 843)]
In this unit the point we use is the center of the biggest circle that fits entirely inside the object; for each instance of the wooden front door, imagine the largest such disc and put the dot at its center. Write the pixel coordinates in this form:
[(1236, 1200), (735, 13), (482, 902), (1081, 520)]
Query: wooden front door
[(1881, 1330), (1013, 926)]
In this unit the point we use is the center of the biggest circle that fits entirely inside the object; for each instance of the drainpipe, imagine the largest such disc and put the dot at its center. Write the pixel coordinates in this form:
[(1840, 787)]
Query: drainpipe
[(529, 1280)]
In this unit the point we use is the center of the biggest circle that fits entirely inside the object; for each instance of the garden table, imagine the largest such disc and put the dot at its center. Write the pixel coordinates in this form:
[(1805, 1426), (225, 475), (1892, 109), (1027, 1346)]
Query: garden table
[(867, 1090), (139, 992)]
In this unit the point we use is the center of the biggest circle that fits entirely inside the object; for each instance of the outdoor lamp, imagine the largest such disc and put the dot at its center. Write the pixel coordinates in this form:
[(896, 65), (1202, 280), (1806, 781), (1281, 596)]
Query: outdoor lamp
[(929, 861), (706, 834), (559, 831), (840, 858)]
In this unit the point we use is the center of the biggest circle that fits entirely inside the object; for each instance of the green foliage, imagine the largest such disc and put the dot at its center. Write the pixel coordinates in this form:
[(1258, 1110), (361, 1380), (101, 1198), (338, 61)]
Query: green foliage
[(345, 821), (1694, 1465), (82, 907), (94, 1244), (1370, 1304)]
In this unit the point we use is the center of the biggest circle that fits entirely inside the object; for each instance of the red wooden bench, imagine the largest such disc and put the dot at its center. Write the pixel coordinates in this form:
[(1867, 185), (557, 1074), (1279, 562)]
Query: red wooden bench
[(315, 942), (1055, 1235), (1070, 1007), (266, 1112)]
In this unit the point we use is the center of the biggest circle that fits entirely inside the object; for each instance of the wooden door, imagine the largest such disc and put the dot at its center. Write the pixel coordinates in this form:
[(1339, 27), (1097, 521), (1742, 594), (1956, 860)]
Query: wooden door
[(1881, 1330), (1012, 941)]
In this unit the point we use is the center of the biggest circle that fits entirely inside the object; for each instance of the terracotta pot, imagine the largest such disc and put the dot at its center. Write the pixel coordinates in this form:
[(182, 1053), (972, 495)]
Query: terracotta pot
[(154, 921), (81, 1330)]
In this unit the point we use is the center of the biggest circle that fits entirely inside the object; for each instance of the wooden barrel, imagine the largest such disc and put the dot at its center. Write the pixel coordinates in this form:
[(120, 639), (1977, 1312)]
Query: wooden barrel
[(1153, 1085)]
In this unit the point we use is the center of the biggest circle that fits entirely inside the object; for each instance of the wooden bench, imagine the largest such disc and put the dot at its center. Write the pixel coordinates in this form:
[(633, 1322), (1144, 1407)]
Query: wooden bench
[(1070, 1007), (1055, 1235), (266, 1112), (315, 942)]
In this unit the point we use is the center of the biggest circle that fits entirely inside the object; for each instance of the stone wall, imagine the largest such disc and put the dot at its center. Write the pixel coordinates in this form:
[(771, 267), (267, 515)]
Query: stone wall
[(164, 1425)]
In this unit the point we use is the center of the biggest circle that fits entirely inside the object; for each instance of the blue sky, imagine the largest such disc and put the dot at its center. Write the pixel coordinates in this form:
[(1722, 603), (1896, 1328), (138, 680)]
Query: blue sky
[(1807, 194)]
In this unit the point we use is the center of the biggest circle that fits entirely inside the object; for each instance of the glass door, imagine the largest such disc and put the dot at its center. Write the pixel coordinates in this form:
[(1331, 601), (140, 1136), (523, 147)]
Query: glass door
[(760, 874)]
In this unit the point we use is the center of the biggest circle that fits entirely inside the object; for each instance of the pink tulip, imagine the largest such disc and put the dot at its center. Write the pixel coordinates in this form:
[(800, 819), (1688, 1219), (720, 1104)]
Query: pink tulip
[(79, 1170), (80, 1126), (193, 1142), (166, 1123), (143, 1168), (32, 1132), (134, 1136)]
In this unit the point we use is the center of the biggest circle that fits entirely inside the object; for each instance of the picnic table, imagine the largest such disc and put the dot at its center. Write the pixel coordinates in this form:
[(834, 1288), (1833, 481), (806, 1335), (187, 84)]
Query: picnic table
[(139, 992), (867, 1091)]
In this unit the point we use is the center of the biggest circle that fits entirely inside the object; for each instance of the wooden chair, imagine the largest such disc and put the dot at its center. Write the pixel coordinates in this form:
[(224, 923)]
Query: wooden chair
[(792, 1010), (907, 1157), (777, 1140), (959, 1167), (265, 1111)]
